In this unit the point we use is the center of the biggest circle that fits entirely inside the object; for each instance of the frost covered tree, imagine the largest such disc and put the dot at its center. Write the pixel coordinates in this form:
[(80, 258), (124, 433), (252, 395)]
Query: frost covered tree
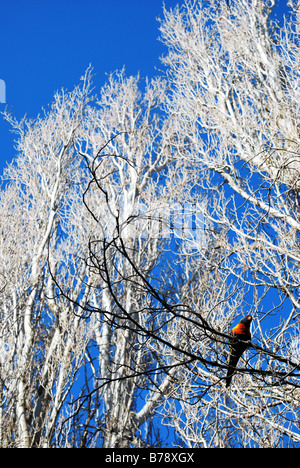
[(234, 74), (39, 352), (125, 149), (84, 226)]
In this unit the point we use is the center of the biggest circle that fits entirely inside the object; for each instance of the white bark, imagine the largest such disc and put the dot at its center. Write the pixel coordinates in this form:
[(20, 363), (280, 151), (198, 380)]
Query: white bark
[(235, 81), (72, 314)]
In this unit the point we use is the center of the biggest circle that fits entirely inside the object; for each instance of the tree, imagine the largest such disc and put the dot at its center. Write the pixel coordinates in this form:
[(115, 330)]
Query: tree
[(88, 195), (42, 341), (125, 151), (234, 73)]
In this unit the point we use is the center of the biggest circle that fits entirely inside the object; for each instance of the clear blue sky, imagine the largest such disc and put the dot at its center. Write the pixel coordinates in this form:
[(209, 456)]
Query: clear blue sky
[(48, 44)]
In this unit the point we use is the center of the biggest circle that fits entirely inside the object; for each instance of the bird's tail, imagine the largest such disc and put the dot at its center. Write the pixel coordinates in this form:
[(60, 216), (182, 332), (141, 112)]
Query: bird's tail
[(231, 369)]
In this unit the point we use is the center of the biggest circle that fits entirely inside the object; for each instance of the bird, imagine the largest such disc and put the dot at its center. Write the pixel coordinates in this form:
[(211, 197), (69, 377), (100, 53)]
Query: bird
[(240, 341)]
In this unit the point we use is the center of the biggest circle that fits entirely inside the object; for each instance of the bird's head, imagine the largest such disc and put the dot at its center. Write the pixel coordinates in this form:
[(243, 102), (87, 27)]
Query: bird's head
[(246, 320)]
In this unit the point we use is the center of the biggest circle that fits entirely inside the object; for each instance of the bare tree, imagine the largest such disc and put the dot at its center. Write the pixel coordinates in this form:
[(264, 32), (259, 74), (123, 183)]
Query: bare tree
[(89, 195), (124, 199), (235, 80), (42, 341), (136, 192)]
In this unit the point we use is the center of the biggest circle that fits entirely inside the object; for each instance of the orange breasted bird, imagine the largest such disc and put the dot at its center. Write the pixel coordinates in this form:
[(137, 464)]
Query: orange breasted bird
[(240, 341)]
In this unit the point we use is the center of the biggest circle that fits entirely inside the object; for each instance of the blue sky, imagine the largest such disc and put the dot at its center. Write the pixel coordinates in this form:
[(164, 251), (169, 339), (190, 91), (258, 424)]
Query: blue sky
[(48, 44)]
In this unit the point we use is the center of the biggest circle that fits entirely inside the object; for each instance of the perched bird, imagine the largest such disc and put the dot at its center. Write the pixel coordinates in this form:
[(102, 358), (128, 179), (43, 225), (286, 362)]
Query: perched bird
[(240, 341)]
